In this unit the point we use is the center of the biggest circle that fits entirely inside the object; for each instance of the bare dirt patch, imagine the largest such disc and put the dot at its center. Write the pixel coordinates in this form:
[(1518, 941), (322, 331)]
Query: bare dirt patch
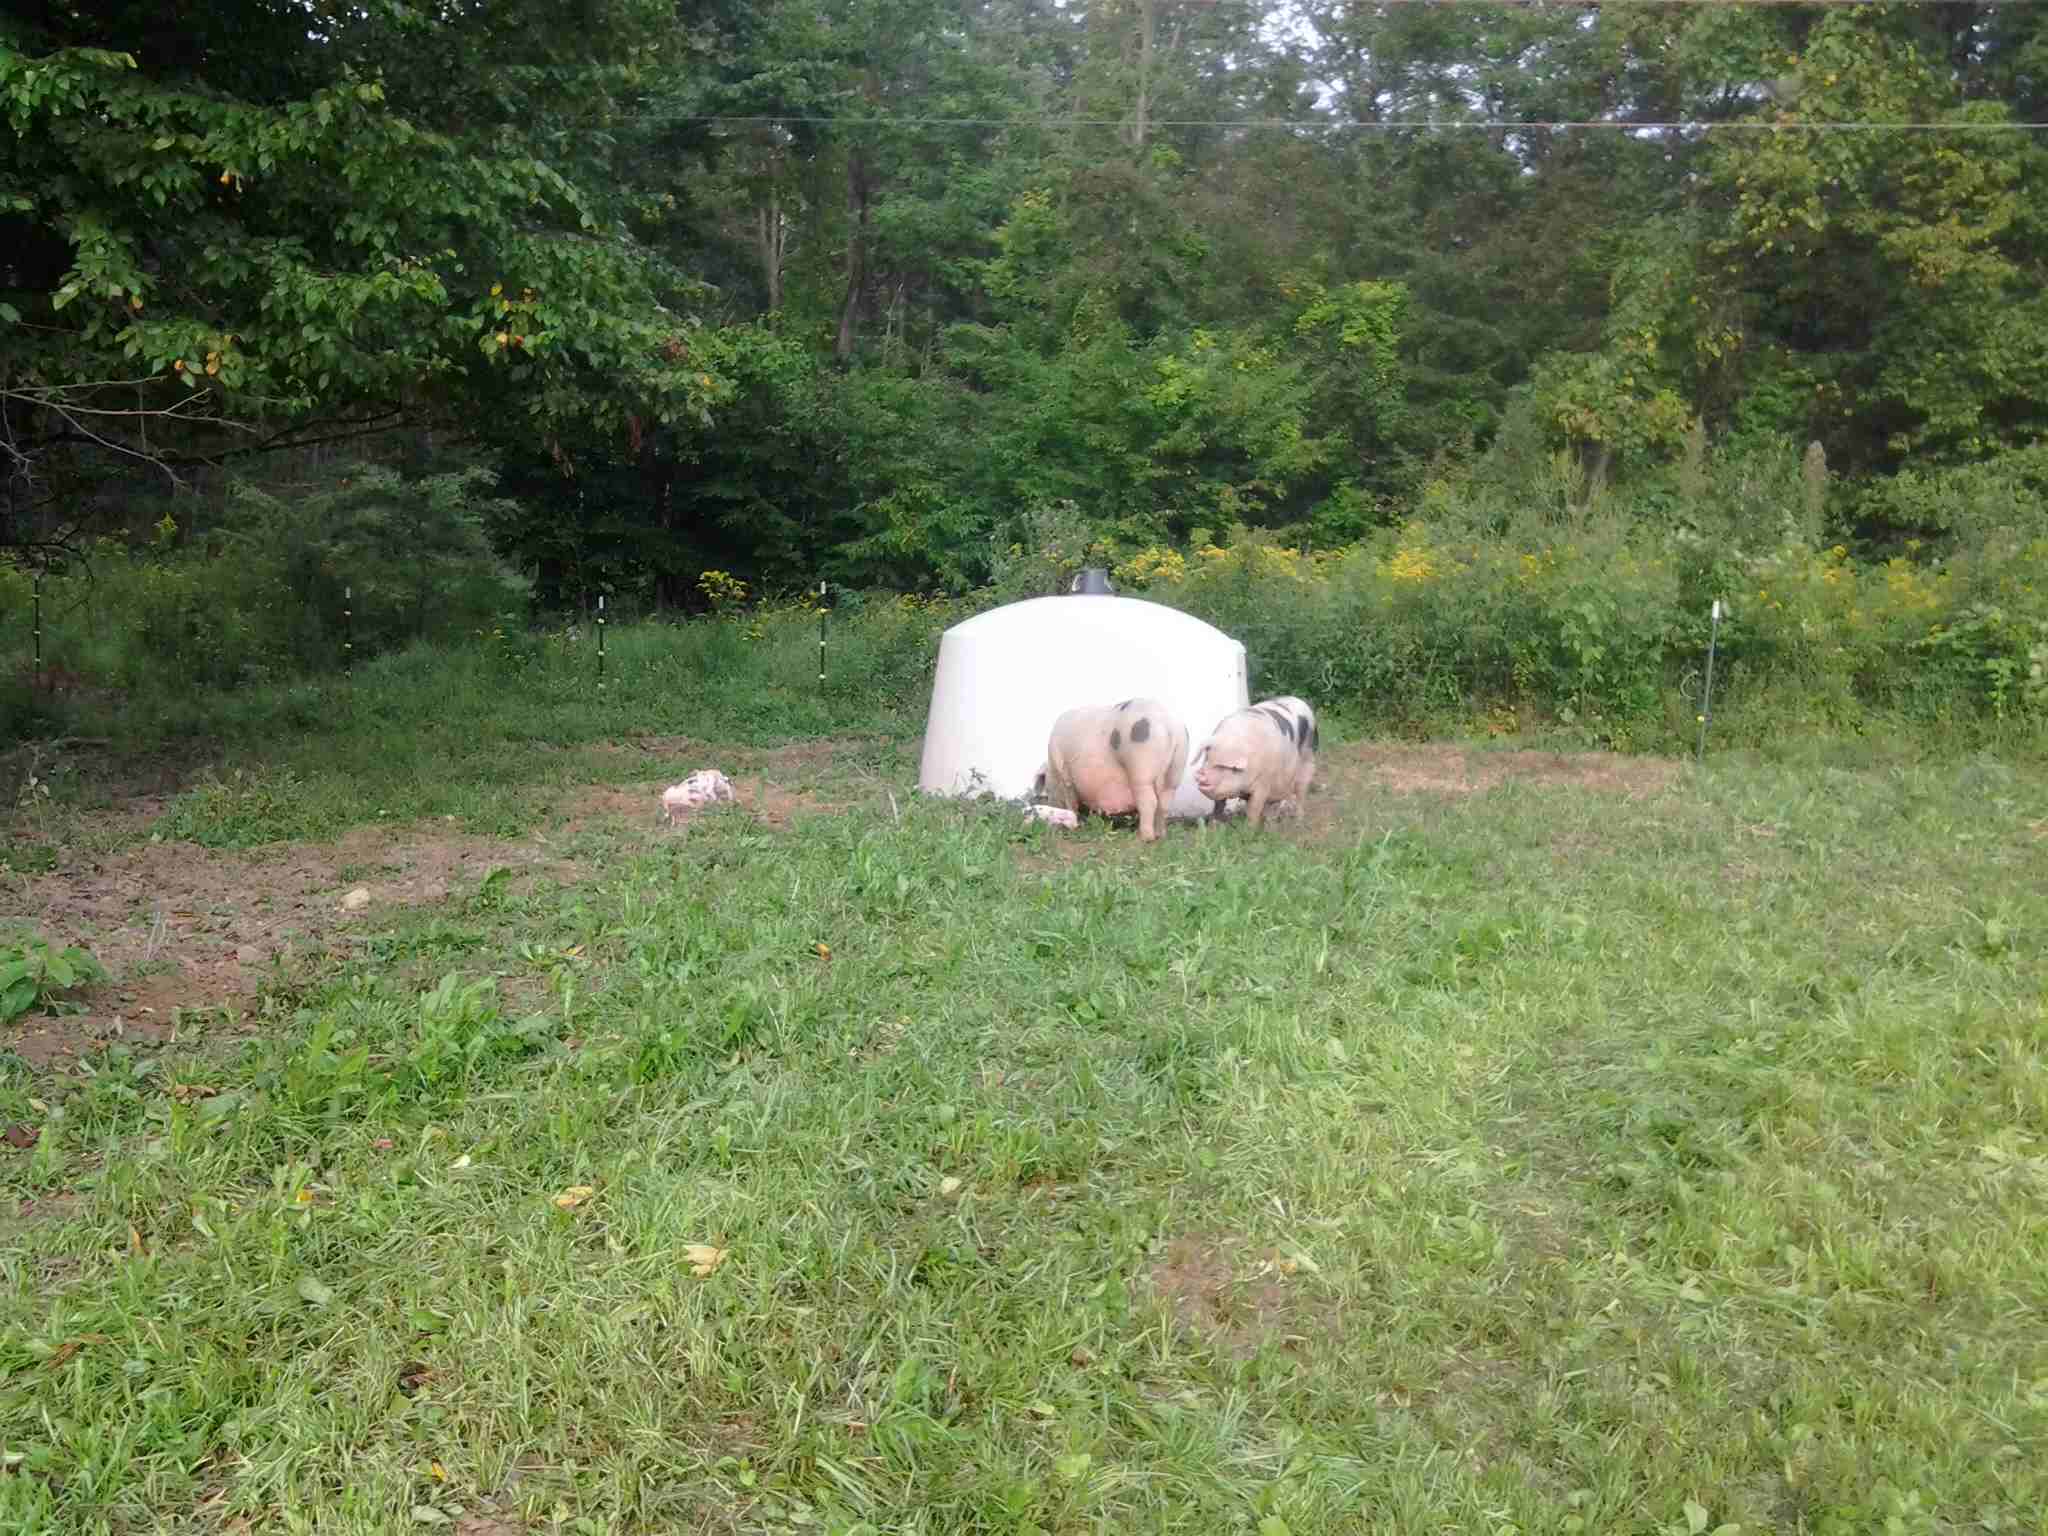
[(1452, 770), (641, 804), (1238, 1299), (181, 927), (775, 784), (1443, 771)]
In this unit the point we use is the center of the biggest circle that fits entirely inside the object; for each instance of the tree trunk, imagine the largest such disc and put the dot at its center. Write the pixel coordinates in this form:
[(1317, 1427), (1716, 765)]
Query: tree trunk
[(856, 252), (858, 189), (1147, 23), (769, 235)]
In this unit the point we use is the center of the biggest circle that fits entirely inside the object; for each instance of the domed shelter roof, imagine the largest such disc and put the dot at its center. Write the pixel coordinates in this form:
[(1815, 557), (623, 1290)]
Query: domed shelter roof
[(1004, 676)]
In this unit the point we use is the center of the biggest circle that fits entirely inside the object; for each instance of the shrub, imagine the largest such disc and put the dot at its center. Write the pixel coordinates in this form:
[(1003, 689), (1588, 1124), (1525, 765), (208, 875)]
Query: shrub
[(1605, 633)]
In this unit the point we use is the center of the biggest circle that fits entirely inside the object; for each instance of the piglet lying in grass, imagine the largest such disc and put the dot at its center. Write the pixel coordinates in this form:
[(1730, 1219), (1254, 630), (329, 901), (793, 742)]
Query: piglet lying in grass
[(1052, 814), (701, 788), (1266, 753)]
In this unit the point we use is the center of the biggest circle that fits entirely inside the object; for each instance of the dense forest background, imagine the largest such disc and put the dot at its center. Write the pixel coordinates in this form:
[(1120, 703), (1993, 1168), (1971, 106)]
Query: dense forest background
[(478, 310)]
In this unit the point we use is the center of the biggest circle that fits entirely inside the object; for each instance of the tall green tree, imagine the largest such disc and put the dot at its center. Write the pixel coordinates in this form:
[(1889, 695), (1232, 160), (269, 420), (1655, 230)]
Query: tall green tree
[(236, 228)]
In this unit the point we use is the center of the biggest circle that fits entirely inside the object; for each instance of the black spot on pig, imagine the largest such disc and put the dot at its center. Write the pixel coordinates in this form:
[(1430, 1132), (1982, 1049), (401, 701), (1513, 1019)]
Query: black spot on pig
[(1142, 731), (1116, 740), (1127, 703)]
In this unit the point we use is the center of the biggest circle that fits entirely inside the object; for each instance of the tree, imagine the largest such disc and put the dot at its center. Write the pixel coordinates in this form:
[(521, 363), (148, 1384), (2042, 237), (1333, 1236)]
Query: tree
[(233, 234)]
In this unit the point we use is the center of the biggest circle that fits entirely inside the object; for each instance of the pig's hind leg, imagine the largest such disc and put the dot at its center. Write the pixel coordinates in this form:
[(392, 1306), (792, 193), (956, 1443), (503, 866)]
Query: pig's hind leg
[(1148, 811)]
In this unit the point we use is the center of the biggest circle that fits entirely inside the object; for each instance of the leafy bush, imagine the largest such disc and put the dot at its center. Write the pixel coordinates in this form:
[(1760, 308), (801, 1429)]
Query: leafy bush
[(260, 596), (1604, 633), (1539, 616), (408, 559)]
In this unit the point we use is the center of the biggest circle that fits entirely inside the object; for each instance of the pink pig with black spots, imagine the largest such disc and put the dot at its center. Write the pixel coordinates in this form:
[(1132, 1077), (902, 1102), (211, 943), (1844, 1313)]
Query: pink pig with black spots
[(1266, 754), (1117, 758)]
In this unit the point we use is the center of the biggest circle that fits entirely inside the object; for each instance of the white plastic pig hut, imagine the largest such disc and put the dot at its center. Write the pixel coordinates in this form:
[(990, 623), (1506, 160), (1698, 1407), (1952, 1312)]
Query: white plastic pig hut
[(1004, 676)]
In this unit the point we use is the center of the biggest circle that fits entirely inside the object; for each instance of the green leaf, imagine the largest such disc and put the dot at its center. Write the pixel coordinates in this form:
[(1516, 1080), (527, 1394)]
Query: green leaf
[(1072, 1467), (314, 1292), (17, 999)]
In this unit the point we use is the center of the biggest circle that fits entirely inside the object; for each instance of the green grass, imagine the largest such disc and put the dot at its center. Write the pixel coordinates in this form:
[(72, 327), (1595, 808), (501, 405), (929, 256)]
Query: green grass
[(1535, 1162), (490, 729), (488, 733)]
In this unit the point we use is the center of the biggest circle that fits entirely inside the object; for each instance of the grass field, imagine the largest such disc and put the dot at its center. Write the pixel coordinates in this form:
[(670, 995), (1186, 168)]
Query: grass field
[(1516, 1143)]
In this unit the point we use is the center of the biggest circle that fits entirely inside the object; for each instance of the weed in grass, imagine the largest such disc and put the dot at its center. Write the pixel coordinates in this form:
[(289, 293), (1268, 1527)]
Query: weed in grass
[(34, 972)]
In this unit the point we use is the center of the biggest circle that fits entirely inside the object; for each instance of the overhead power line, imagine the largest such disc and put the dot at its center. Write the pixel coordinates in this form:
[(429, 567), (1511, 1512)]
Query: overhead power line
[(1078, 14), (1525, 5), (1409, 124)]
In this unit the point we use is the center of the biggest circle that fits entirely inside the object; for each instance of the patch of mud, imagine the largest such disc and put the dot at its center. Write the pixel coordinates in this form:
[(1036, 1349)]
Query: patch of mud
[(180, 927), (1239, 1300)]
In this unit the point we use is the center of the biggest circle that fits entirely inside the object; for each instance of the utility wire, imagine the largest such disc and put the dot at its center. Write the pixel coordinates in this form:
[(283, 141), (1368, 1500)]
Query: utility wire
[(1298, 125), (1297, 10), (1078, 11)]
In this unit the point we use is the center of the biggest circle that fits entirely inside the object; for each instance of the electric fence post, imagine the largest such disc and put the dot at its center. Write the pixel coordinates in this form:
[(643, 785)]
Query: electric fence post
[(1707, 692)]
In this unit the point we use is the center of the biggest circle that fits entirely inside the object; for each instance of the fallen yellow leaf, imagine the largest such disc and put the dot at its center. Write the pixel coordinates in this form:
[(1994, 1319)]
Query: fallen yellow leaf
[(440, 1472), (703, 1258), (948, 1185), (573, 1196)]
